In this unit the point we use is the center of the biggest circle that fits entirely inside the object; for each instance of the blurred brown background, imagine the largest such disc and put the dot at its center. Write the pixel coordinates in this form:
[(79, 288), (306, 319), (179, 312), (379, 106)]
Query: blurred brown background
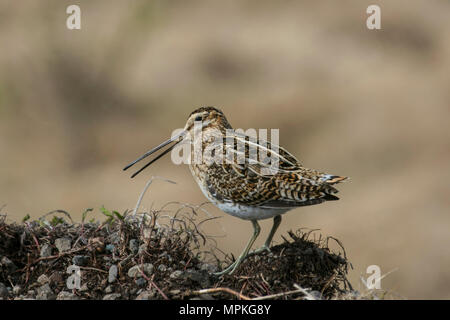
[(76, 106)]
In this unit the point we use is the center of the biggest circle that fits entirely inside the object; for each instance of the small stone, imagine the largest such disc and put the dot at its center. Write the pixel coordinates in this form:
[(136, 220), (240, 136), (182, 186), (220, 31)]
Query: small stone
[(115, 237), (134, 245), (8, 264), (208, 267), (63, 244), (46, 251), (112, 296), (108, 289), (177, 274), (316, 294), (3, 291), (136, 270), (175, 292), (200, 277), (80, 260), (112, 274), (16, 289), (162, 268), (65, 295), (146, 295), (43, 279), (142, 249), (109, 248), (45, 293), (141, 282)]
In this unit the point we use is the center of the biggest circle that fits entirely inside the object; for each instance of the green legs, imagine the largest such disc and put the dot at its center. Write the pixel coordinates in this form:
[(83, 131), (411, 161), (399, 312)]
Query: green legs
[(266, 245), (234, 265), (256, 229)]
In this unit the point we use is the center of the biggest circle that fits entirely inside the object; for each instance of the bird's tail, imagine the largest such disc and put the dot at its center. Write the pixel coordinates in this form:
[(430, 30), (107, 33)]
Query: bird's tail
[(332, 179)]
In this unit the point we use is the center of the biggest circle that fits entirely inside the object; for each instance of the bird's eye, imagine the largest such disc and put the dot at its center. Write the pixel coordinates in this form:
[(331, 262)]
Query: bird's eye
[(198, 118)]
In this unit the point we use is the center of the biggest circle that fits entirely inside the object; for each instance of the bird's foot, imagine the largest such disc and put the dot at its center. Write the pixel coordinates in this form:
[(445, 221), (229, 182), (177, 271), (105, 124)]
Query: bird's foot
[(263, 248), (231, 268)]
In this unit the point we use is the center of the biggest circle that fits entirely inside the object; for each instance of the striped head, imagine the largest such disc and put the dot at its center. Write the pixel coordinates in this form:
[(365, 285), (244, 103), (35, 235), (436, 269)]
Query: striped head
[(210, 117)]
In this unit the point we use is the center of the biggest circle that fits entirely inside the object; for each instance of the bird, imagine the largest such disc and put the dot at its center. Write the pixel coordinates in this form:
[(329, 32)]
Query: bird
[(240, 184)]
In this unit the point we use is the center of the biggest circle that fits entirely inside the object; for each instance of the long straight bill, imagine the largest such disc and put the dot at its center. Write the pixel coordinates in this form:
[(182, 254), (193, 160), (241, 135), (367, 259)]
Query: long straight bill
[(150, 152)]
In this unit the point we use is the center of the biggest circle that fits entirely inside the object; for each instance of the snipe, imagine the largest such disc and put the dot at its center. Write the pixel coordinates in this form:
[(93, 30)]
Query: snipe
[(241, 185)]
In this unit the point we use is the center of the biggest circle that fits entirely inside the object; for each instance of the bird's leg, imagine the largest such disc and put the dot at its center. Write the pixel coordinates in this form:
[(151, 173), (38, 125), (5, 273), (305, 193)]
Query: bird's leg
[(231, 268), (266, 245)]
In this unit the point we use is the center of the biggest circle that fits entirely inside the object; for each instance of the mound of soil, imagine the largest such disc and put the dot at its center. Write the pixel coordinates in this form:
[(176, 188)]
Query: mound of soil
[(126, 257)]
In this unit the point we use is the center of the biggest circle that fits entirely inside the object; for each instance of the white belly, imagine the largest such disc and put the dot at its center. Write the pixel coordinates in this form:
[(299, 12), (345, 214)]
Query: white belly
[(247, 212), (239, 210)]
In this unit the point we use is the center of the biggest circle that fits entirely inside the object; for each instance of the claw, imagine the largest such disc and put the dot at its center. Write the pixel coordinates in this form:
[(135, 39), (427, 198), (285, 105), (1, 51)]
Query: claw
[(262, 249)]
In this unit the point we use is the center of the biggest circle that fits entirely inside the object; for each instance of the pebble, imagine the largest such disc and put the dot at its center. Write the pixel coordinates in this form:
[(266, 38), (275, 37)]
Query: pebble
[(43, 279), (63, 244), (16, 289), (208, 267), (112, 296), (45, 293), (135, 271), (108, 289), (142, 249), (197, 276), (65, 295), (175, 292), (133, 246), (141, 282), (316, 294), (146, 295), (80, 260), (109, 248), (115, 237), (8, 264), (3, 291), (46, 251), (162, 268), (112, 274), (177, 274)]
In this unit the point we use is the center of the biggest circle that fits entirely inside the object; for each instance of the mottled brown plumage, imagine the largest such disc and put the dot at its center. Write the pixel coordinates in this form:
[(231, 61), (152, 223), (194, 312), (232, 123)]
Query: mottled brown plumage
[(292, 186), (237, 177)]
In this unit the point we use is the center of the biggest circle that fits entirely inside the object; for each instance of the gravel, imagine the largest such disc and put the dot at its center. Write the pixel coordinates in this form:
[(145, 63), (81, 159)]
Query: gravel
[(63, 244), (177, 274), (146, 295), (141, 282), (45, 293), (136, 270), (43, 279), (134, 245), (112, 273), (111, 268), (80, 260), (65, 295), (46, 251), (112, 296)]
